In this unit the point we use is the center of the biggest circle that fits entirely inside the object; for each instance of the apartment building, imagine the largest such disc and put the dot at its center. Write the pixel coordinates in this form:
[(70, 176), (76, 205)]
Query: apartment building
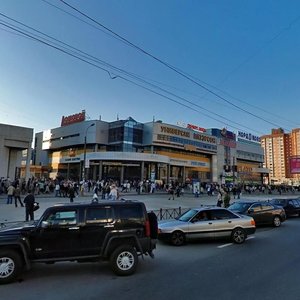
[(281, 152)]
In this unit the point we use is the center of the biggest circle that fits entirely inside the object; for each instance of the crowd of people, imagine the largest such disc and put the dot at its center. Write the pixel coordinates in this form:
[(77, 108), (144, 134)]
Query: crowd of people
[(111, 189)]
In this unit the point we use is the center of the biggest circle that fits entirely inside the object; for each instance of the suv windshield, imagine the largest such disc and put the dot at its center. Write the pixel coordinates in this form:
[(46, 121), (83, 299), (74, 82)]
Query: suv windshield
[(188, 215), (241, 207)]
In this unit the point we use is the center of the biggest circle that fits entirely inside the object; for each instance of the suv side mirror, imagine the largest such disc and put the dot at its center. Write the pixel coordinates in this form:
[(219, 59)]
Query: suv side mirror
[(250, 211)]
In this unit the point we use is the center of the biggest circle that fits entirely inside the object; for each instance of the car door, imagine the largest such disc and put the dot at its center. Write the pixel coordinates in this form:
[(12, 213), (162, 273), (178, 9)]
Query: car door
[(267, 213), (255, 211), (99, 220), (200, 227), (57, 236), (224, 221)]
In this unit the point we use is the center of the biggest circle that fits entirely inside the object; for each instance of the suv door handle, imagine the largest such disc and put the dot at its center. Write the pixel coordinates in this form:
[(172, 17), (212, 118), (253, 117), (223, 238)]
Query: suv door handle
[(74, 228), (229, 221), (108, 226)]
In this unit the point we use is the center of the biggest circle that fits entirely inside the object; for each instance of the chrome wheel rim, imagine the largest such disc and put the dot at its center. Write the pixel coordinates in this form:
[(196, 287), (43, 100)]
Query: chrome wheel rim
[(239, 236), (7, 267), (277, 221), (125, 260), (177, 238)]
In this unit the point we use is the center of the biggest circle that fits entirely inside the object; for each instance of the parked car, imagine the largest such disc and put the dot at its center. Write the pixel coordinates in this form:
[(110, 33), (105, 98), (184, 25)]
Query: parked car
[(206, 222), (264, 213), (291, 206), (115, 231)]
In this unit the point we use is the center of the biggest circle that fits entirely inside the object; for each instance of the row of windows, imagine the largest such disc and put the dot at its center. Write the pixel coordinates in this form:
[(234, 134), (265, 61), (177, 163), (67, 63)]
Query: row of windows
[(105, 214)]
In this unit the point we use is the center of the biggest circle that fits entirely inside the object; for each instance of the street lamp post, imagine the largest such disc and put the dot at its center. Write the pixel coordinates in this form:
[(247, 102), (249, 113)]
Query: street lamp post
[(84, 151)]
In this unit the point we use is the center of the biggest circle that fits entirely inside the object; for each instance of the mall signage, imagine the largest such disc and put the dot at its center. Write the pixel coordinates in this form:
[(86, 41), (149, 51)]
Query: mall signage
[(187, 134), (191, 126), (76, 118), (241, 135)]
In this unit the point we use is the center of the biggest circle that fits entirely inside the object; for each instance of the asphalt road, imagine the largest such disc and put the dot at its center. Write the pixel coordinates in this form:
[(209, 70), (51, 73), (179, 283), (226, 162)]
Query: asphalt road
[(265, 267)]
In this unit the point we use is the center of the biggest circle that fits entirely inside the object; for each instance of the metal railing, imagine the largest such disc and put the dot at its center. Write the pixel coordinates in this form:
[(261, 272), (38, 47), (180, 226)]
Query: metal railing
[(169, 213)]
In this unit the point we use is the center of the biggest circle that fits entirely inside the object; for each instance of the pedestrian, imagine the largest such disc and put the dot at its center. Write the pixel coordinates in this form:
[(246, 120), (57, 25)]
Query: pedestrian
[(57, 190), (29, 206), (17, 196), (10, 193), (114, 194), (172, 191), (219, 199), (71, 193)]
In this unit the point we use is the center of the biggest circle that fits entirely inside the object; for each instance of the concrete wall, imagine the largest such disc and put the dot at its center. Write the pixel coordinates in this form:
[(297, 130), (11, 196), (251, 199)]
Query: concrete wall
[(13, 139)]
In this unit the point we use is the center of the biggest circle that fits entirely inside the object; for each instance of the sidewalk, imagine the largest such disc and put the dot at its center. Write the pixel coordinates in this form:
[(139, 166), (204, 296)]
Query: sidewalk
[(155, 201)]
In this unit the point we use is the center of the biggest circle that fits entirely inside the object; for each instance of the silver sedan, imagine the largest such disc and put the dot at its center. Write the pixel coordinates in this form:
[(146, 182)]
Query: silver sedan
[(206, 223)]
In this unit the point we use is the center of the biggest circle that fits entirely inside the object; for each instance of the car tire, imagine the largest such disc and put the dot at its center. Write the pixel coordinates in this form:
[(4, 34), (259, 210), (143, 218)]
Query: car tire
[(10, 266), (276, 221), (238, 235), (177, 238), (124, 260)]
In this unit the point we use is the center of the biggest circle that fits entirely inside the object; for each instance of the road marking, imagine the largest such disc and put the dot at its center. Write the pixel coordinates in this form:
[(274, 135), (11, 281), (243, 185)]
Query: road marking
[(229, 244), (225, 245)]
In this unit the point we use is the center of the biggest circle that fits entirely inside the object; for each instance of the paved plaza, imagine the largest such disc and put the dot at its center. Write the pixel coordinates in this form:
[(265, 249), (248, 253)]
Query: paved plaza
[(155, 201)]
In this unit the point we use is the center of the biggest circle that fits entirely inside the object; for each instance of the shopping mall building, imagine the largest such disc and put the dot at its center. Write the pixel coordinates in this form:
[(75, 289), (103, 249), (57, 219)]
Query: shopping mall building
[(129, 150)]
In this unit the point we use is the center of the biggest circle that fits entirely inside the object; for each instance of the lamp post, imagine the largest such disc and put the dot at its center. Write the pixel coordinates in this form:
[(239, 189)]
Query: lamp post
[(84, 151)]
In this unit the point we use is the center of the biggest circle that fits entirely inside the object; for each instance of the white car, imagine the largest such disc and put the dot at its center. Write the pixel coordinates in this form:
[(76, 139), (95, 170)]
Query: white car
[(206, 222)]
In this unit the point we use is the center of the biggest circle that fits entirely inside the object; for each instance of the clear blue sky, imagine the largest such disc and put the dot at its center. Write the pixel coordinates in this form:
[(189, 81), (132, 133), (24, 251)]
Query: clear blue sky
[(246, 52)]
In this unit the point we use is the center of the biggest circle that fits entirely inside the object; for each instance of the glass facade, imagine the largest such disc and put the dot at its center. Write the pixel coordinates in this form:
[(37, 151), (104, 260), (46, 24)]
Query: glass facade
[(125, 136)]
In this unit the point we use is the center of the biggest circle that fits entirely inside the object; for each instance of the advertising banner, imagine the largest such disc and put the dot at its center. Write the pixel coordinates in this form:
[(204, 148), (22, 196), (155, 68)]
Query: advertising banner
[(295, 165)]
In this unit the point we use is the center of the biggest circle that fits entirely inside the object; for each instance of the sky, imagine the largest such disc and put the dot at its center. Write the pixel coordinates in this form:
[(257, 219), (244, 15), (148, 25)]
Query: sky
[(211, 63)]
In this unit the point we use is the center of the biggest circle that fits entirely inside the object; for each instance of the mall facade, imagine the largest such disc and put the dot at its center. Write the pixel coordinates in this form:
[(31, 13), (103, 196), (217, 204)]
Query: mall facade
[(155, 151)]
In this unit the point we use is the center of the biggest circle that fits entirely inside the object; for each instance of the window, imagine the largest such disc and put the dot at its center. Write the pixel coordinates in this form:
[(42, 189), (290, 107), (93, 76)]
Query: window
[(256, 207), (130, 212), (266, 206), (220, 214), (99, 215), (62, 218)]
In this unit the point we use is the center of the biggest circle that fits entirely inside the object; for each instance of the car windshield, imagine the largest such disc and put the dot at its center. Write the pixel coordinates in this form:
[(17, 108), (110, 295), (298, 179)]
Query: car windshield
[(237, 206), (188, 215), (278, 201)]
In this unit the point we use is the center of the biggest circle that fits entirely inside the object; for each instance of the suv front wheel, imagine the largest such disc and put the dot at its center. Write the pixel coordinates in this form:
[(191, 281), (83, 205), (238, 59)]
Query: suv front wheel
[(124, 260), (10, 266)]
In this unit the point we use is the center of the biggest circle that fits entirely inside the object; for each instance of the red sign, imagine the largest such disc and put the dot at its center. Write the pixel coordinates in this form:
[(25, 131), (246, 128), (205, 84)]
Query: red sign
[(195, 127), (295, 165), (80, 117)]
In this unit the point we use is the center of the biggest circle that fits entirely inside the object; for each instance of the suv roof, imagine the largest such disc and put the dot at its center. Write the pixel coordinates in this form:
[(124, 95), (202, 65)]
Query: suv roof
[(80, 204)]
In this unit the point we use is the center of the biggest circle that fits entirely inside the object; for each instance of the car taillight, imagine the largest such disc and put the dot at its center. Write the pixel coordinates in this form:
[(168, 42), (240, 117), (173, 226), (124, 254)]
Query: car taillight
[(147, 228), (252, 222)]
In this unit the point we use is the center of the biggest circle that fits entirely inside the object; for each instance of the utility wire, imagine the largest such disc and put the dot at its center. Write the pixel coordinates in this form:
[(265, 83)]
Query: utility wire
[(12, 27), (175, 69)]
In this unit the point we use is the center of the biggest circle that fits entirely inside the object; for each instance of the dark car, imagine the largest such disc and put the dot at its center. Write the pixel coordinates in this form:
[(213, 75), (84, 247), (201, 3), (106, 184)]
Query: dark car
[(264, 213), (290, 205), (116, 231)]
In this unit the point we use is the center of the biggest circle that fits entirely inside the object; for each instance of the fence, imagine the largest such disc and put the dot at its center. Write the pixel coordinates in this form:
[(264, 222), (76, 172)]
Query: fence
[(169, 213)]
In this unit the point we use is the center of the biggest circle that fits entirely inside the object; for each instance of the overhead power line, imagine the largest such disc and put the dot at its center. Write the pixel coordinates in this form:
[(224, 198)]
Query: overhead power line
[(87, 56), (175, 69)]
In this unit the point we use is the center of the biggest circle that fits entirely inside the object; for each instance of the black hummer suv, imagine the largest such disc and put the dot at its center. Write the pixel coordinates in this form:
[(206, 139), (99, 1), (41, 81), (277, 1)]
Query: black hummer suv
[(117, 231)]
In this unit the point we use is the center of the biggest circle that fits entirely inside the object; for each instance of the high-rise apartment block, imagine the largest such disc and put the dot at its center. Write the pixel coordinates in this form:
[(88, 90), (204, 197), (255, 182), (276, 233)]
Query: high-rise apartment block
[(282, 154)]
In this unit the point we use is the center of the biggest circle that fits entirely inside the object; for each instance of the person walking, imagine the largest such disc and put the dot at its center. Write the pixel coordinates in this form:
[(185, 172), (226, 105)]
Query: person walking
[(71, 192), (17, 196), (29, 206), (10, 193), (114, 194)]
